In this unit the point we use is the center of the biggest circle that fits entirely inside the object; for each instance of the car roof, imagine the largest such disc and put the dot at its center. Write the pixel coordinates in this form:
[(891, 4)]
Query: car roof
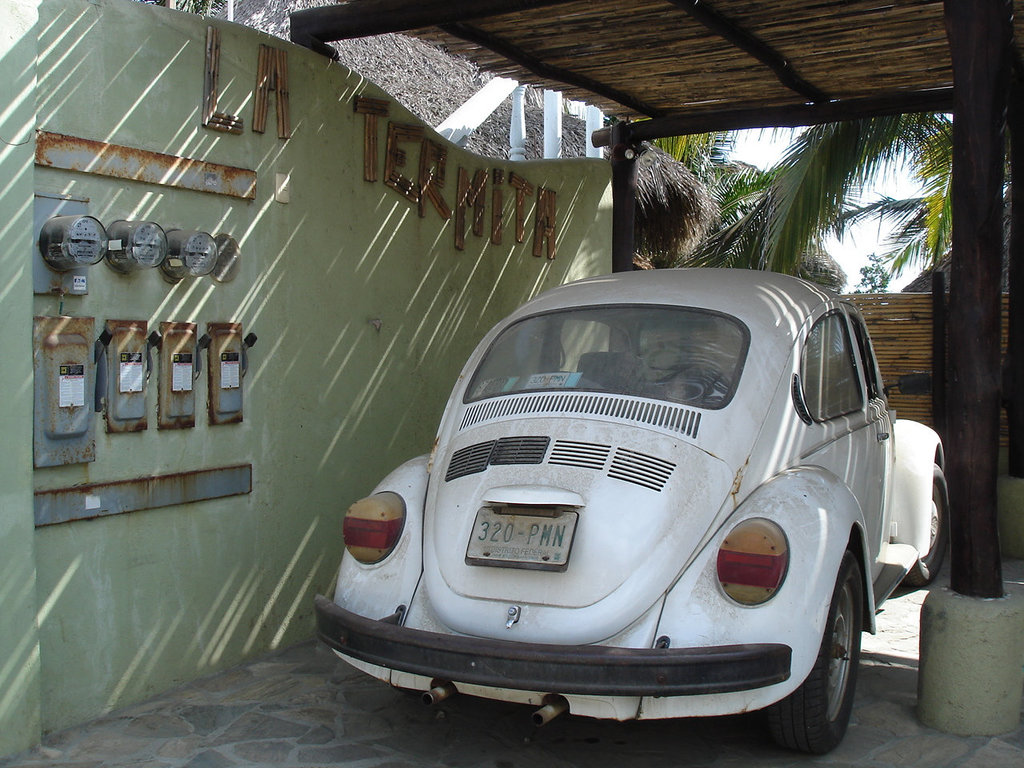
[(764, 301)]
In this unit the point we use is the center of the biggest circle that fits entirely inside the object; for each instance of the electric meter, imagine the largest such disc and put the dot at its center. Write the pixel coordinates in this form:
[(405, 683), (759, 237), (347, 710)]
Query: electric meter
[(189, 253), (228, 258), (135, 245), (70, 242)]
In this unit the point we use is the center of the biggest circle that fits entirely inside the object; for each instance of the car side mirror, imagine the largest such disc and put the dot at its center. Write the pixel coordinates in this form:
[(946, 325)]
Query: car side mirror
[(912, 384)]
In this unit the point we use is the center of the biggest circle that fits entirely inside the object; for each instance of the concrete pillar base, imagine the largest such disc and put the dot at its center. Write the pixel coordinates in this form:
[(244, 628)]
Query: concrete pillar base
[(1010, 510), (971, 677)]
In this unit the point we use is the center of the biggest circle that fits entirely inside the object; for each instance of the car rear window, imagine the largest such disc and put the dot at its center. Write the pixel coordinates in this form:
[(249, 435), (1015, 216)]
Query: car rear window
[(688, 356)]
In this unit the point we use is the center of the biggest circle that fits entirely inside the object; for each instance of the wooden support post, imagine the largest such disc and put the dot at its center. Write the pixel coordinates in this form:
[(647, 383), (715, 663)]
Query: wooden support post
[(623, 159), (939, 330), (1014, 397), (979, 33)]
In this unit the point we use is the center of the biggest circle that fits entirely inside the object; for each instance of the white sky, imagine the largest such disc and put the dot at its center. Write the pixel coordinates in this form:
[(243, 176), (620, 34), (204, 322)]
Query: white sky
[(761, 148)]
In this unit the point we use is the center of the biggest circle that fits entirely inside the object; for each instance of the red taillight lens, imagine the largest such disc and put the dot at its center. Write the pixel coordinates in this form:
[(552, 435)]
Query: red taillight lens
[(752, 561), (373, 526), (747, 568), (373, 534)]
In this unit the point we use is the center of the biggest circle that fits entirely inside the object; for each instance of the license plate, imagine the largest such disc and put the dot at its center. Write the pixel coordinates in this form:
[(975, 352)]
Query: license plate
[(512, 540)]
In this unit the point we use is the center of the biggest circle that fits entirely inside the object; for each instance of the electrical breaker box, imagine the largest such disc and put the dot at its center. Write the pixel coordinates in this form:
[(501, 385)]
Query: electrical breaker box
[(179, 360), (127, 373), (65, 391), (224, 372)]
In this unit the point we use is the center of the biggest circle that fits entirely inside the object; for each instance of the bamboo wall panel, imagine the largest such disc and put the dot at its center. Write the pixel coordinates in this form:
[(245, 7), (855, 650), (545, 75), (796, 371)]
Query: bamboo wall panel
[(900, 325)]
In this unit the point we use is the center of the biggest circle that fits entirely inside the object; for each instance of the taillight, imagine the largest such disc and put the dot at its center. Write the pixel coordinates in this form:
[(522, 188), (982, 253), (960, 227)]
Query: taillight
[(373, 526), (752, 561)]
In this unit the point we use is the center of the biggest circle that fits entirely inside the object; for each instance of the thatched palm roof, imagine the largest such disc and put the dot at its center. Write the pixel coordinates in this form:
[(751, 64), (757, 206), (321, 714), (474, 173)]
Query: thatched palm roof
[(819, 267), (923, 282), (667, 194)]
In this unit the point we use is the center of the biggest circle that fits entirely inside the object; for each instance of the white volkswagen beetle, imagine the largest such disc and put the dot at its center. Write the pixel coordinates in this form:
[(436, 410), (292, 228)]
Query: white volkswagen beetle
[(652, 495)]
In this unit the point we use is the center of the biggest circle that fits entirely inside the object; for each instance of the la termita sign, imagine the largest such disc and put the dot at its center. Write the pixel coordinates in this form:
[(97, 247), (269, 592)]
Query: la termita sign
[(401, 163), (416, 166)]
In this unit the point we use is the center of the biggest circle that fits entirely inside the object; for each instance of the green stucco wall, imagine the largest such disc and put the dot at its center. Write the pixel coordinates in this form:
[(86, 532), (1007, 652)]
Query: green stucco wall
[(19, 646), (364, 311)]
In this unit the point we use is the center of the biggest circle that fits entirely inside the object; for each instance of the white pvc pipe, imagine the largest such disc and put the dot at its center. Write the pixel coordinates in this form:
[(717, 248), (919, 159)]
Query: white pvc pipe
[(517, 130), (552, 124), (595, 121)]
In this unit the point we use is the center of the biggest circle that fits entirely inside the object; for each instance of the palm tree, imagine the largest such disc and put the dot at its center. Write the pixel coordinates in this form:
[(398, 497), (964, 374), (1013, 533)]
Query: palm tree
[(787, 212), (740, 191), (923, 236)]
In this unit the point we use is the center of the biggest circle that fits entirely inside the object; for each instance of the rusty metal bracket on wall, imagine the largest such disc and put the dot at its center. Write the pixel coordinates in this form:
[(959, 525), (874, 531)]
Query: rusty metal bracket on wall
[(70, 153), (84, 502)]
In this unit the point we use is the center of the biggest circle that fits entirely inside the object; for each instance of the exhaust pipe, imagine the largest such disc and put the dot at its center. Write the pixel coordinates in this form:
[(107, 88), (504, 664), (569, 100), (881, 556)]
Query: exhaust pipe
[(440, 692), (553, 707)]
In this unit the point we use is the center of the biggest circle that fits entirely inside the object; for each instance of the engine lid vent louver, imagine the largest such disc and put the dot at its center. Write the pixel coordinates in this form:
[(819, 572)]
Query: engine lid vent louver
[(667, 416), (640, 469), (470, 460), (520, 450), (569, 453), (507, 450), (626, 465)]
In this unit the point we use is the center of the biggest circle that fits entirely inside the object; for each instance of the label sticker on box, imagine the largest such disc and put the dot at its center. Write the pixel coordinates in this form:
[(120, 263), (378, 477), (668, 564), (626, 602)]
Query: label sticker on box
[(181, 372), (132, 374), (230, 370), (72, 386)]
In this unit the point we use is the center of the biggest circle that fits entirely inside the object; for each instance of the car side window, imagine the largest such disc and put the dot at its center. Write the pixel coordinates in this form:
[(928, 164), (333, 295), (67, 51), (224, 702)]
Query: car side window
[(867, 357), (831, 386)]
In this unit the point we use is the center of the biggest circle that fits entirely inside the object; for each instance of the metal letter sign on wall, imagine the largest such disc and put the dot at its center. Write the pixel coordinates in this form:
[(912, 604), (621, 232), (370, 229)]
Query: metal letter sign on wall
[(218, 121), (271, 77), (471, 187)]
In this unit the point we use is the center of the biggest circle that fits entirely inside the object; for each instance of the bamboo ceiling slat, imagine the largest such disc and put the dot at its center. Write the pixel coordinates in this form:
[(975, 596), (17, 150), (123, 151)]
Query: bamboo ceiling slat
[(663, 57)]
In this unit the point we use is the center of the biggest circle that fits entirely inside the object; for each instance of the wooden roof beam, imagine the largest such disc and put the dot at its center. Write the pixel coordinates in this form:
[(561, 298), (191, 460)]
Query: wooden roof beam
[(793, 116), (751, 44), (349, 20)]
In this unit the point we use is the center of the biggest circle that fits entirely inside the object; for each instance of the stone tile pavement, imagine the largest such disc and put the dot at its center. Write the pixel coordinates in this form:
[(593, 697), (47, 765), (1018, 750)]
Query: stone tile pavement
[(303, 708)]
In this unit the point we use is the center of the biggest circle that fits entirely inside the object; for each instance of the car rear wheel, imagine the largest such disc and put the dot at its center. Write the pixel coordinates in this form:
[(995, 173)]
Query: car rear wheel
[(814, 717), (928, 566)]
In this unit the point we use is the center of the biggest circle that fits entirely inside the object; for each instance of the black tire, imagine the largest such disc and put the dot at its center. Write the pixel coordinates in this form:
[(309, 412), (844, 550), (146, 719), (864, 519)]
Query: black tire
[(927, 568), (814, 717)]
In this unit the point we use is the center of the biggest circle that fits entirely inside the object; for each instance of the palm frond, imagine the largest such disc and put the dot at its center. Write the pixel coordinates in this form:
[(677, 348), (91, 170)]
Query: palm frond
[(820, 180), (697, 149), (895, 210)]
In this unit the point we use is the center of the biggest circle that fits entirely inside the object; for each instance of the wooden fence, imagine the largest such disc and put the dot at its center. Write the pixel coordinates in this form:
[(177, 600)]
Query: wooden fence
[(900, 325)]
